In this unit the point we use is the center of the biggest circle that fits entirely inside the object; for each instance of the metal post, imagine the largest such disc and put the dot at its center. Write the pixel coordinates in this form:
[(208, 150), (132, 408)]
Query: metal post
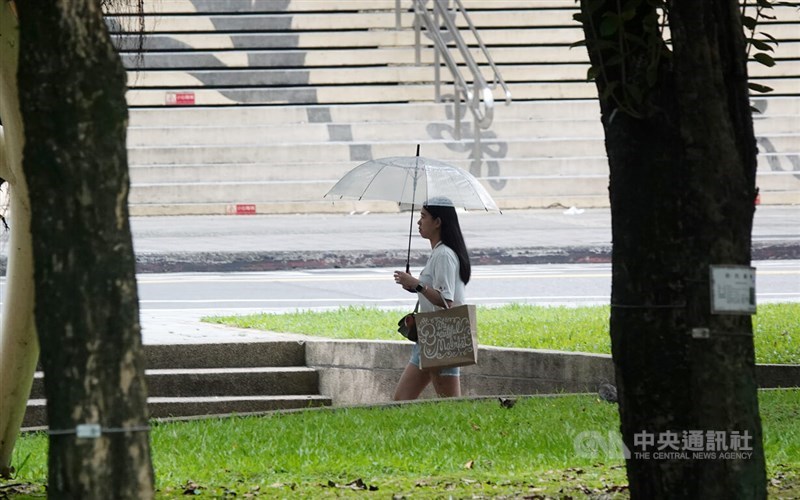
[(476, 144), (417, 34), (457, 111), (436, 61), (397, 14)]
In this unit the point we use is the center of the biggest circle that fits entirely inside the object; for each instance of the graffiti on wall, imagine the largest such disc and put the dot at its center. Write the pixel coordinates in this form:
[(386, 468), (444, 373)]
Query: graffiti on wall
[(483, 159)]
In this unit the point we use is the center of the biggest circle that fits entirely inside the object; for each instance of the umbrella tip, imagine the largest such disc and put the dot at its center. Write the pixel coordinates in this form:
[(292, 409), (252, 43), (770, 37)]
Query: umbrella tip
[(417, 149)]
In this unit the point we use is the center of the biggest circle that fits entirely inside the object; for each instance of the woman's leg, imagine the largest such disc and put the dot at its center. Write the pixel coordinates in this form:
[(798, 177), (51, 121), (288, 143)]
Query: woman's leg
[(411, 383), (447, 386)]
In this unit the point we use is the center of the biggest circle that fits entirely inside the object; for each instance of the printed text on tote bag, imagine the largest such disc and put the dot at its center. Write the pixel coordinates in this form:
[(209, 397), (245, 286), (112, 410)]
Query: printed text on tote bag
[(445, 337)]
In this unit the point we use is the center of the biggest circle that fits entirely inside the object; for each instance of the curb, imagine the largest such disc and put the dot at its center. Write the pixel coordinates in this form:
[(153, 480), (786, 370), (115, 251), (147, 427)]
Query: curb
[(193, 262), (184, 262)]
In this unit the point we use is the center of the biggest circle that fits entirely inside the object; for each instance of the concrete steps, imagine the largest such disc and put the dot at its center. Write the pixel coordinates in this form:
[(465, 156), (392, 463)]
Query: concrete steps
[(351, 93), (374, 73), (324, 153), (235, 135), (204, 379), (268, 103), (370, 113), (778, 129), (176, 407), (266, 194), (285, 159)]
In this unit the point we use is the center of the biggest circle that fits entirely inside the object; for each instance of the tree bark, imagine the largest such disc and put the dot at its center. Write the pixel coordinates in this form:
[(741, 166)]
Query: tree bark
[(682, 189), (75, 116)]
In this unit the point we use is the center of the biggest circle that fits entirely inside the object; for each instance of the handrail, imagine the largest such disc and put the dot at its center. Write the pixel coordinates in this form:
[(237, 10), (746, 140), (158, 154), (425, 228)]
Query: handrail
[(496, 77), (479, 99)]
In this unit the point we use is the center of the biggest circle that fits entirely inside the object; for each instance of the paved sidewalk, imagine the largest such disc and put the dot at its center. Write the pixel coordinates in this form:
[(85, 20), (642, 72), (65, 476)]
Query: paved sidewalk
[(185, 327), (279, 242)]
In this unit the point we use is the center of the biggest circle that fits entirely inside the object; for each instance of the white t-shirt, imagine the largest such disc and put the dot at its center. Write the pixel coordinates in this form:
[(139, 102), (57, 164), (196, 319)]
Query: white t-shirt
[(441, 272)]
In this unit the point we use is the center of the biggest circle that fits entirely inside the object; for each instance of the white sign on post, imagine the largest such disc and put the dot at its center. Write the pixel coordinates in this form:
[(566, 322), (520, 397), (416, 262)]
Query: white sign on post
[(733, 290)]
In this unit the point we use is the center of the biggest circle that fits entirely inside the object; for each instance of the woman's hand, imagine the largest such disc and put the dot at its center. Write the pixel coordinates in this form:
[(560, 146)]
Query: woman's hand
[(406, 280)]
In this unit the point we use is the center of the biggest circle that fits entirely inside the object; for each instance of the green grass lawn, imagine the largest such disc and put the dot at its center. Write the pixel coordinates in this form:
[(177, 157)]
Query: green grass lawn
[(776, 327), (422, 450), (433, 449)]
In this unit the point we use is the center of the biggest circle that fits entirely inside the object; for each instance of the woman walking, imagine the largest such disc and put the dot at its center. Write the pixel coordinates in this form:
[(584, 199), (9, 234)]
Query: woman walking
[(443, 279)]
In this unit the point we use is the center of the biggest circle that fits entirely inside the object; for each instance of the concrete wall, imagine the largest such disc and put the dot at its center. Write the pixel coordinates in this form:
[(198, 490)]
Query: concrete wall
[(366, 372)]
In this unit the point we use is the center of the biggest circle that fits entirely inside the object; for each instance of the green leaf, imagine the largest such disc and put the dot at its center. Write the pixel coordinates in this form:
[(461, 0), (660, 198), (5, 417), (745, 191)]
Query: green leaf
[(749, 22), (591, 73), (579, 17), (757, 87), (771, 38), (608, 90), (761, 45), (579, 43), (764, 59), (610, 25)]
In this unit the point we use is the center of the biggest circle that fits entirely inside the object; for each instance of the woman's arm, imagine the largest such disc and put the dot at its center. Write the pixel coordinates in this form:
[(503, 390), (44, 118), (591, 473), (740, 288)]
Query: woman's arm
[(435, 297), (412, 284)]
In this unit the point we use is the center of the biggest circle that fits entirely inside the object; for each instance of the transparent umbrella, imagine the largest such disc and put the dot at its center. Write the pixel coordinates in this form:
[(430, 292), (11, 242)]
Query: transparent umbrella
[(413, 180)]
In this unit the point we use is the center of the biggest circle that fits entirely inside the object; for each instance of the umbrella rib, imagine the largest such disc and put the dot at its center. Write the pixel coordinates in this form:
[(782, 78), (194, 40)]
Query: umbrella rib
[(375, 176), (475, 191), (455, 181)]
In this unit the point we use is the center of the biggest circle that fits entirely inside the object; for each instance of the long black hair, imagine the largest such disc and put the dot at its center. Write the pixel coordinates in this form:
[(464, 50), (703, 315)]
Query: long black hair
[(451, 236)]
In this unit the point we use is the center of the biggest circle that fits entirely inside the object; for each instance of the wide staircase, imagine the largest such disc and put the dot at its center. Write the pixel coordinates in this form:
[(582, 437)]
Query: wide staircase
[(260, 106), (216, 379)]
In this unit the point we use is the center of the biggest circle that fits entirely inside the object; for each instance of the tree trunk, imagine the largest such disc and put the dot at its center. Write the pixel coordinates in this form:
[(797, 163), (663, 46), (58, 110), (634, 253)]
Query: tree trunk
[(75, 115), (19, 347), (682, 188)]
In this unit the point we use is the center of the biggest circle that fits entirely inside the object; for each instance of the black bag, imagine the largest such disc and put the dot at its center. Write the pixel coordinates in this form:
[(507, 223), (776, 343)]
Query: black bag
[(407, 326)]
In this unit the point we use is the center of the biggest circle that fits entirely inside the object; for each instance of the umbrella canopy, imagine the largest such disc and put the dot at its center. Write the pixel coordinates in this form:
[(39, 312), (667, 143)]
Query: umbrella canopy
[(414, 180)]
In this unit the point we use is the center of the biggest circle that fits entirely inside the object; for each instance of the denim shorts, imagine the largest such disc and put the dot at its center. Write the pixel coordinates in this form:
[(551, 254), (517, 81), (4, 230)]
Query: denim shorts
[(454, 371)]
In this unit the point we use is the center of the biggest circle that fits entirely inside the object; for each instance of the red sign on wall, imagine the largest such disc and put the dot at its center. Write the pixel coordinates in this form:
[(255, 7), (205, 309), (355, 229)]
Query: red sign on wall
[(179, 98), (245, 209)]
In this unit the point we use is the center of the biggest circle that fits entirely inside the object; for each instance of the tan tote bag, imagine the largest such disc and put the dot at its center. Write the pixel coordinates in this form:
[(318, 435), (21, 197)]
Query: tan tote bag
[(447, 337)]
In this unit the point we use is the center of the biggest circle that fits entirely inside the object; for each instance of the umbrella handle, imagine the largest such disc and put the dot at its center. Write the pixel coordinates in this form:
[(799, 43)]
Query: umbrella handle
[(411, 222), (410, 228)]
